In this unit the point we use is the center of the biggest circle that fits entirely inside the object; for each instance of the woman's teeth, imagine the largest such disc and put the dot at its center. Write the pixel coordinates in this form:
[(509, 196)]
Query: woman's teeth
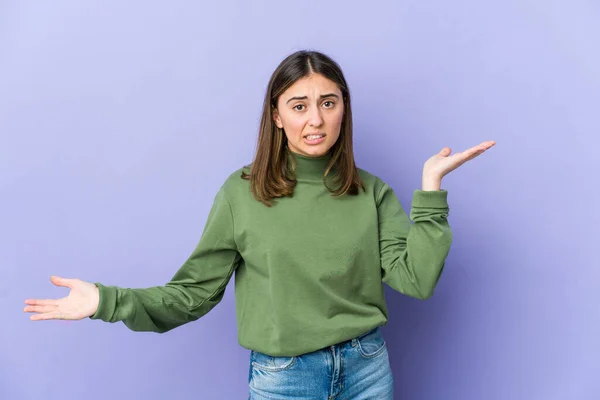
[(314, 139)]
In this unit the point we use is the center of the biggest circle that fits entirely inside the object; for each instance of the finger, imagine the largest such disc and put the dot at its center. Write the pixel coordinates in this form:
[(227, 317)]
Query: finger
[(487, 145), (40, 309), (46, 316), (473, 155), (445, 151), (59, 281), (44, 302), (473, 151)]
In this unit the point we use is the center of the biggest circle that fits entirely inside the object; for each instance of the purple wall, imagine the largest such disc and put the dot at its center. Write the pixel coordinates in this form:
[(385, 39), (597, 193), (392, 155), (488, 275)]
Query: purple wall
[(120, 120)]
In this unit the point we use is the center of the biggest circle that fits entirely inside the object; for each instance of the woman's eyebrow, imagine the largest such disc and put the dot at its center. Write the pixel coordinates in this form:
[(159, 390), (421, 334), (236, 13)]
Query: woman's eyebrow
[(320, 97)]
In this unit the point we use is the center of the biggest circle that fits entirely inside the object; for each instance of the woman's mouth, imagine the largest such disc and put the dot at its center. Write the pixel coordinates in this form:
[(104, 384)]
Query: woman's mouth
[(314, 139)]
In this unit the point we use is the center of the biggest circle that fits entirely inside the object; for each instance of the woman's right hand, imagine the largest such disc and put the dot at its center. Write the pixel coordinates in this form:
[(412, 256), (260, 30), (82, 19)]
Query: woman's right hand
[(81, 302)]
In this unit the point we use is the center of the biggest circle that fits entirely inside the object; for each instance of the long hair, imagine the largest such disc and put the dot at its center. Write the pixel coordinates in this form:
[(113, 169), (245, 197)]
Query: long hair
[(270, 177)]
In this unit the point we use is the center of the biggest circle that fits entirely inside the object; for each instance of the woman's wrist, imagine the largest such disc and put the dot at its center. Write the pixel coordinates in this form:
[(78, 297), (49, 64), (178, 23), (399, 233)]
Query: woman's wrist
[(430, 183)]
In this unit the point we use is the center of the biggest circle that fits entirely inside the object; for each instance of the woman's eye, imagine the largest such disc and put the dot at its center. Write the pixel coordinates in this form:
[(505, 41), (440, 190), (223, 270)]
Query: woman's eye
[(298, 105), (329, 102)]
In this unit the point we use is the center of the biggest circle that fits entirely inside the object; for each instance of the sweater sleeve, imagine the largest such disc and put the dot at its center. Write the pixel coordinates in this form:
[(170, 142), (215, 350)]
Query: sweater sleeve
[(413, 255), (197, 287)]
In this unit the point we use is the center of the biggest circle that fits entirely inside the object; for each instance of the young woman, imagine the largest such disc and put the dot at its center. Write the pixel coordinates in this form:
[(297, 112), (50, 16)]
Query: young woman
[(310, 237)]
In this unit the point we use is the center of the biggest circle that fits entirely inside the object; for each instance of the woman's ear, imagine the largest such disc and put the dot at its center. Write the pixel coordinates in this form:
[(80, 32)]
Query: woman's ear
[(277, 118)]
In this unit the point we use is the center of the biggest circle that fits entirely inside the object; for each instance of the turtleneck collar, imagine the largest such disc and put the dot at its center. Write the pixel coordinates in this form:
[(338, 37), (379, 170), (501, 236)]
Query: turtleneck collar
[(309, 168)]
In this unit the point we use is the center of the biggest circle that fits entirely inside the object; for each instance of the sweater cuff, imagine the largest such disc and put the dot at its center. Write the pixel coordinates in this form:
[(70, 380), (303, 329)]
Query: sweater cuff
[(107, 302), (430, 199)]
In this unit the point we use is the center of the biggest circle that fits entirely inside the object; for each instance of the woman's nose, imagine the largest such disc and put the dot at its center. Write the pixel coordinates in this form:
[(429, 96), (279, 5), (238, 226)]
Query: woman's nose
[(314, 117)]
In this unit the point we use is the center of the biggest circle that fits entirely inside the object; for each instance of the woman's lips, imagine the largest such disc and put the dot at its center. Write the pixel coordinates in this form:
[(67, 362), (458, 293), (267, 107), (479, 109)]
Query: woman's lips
[(314, 141)]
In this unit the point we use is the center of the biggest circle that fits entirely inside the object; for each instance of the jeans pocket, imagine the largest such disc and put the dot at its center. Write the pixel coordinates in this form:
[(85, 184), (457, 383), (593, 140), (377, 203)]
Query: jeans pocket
[(371, 344), (269, 363)]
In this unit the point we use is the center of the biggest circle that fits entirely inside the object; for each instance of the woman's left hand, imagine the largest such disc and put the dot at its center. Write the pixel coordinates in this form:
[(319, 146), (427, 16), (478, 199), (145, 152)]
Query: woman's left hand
[(442, 163)]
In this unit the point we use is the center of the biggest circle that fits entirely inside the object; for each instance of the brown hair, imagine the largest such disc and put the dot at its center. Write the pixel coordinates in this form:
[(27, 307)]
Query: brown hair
[(269, 175)]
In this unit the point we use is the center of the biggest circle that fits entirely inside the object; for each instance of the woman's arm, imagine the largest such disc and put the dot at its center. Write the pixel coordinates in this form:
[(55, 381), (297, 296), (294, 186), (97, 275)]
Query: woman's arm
[(413, 255), (196, 288)]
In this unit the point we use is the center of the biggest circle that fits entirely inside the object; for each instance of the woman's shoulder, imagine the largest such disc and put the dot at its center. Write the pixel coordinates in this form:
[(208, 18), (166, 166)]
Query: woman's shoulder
[(372, 182), (234, 181)]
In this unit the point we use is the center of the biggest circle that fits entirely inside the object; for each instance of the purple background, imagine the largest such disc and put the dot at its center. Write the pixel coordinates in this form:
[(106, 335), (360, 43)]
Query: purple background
[(120, 120)]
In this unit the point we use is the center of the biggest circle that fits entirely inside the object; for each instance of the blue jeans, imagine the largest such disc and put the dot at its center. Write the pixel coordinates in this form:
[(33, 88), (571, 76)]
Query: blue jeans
[(357, 369)]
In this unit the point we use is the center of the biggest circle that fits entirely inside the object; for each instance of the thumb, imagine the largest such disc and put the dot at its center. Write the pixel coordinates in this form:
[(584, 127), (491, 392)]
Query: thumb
[(445, 151), (59, 281)]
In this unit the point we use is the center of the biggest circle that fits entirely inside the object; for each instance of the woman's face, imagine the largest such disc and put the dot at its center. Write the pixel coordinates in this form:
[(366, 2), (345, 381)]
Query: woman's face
[(311, 106)]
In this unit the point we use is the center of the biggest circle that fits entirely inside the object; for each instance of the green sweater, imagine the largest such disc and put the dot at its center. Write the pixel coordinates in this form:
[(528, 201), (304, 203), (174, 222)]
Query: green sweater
[(308, 271)]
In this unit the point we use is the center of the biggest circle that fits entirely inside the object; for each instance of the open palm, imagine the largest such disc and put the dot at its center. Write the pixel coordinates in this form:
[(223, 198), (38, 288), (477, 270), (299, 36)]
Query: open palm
[(81, 302), (442, 163)]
